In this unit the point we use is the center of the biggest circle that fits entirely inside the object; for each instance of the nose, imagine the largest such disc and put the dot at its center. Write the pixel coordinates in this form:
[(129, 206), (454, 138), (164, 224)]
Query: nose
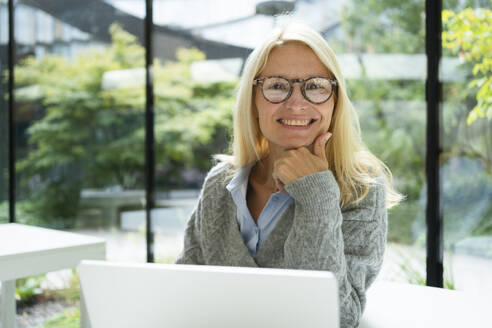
[(296, 99)]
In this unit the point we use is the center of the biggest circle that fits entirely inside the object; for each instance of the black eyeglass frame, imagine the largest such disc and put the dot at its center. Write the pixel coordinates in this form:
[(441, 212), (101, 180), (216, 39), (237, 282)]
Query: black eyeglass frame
[(260, 80)]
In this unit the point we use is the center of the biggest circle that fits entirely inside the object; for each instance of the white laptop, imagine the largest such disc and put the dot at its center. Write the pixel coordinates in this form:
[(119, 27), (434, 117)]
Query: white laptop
[(196, 296)]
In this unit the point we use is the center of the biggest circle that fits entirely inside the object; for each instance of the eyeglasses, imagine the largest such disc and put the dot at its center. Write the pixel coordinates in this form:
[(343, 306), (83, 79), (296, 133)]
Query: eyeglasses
[(276, 89)]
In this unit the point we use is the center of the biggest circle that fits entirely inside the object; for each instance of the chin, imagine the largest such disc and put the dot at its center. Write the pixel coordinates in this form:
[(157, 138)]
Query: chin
[(296, 145), (290, 144)]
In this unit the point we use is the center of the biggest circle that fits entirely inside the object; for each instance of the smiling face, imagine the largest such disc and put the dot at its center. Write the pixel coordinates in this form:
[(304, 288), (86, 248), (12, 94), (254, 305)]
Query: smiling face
[(284, 124)]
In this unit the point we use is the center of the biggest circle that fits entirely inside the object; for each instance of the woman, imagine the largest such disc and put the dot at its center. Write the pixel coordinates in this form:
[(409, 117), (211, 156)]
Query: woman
[(300, 190)]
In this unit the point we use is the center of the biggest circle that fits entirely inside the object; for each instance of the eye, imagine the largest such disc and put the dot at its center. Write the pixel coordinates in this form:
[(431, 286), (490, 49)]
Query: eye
[(313, 86), (318, 85), (277, 86)]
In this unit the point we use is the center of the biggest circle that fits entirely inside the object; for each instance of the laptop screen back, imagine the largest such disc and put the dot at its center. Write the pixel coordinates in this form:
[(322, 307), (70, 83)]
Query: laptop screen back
[(185, 296)]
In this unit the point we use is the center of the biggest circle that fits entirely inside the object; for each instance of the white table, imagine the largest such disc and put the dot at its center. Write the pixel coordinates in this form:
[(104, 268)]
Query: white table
[(392, 305), (27, 251)]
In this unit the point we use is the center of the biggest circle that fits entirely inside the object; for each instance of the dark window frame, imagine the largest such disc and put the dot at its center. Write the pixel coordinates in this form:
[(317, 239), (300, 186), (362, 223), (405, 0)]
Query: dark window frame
[(11, 59)]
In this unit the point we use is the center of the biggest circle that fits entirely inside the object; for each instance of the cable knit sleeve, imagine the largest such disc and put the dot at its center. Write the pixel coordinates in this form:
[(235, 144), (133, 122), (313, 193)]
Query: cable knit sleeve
[(349, 242)]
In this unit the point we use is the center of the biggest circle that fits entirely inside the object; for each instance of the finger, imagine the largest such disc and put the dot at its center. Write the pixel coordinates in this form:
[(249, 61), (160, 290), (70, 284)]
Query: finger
[(279, 185), (282, 187), (320, 145), (276, 180)]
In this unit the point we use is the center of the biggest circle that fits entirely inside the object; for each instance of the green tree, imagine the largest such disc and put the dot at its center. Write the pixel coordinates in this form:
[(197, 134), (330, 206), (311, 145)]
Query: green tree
[(88, 136), (390, 109), (193, 120), (468, 33), (384, 26), (392, 112)]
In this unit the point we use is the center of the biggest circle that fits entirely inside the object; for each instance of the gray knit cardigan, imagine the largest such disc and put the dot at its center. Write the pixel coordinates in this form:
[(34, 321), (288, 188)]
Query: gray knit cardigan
[(314, 233)]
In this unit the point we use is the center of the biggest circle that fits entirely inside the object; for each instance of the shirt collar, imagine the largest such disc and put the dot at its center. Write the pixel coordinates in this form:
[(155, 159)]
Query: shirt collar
[(239, 182)]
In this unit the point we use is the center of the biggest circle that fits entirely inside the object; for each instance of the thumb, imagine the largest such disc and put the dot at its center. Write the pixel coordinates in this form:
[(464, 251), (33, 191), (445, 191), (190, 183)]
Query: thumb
[(279, 184), (319, 145)]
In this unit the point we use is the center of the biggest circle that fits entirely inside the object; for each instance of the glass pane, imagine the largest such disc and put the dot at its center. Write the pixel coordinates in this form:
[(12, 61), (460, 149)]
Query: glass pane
[(4, 114), (79, 122), (385, 76), (193, 112), (466, 170), (383, 56)]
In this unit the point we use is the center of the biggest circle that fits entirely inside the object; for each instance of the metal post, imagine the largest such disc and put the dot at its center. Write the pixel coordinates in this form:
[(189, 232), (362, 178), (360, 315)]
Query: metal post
[(433, 92), (11, 59), (149, 129)]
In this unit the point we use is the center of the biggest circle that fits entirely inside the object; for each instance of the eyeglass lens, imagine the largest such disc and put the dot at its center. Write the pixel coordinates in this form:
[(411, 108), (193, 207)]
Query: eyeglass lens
[(316, 90)]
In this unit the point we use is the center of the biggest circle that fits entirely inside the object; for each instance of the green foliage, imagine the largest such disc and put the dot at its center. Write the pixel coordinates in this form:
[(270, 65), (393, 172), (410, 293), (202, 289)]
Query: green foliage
[(469, 34), (68, 295), (390, 110), (88, 136), (28, 289), (388, 26), (391, 26), (70, 318), (192, 120), (29, 292), (393, 113)]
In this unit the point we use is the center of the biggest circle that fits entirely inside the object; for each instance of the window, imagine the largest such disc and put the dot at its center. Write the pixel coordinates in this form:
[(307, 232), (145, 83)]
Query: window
[(466, 169), (80, 114)]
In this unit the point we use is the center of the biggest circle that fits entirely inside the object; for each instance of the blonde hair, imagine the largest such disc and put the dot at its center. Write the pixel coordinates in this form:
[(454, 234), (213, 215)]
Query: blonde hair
[(353, 165)]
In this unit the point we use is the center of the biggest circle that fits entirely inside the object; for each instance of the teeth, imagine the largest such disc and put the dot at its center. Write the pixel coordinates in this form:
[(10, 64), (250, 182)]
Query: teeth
[(295, 122)]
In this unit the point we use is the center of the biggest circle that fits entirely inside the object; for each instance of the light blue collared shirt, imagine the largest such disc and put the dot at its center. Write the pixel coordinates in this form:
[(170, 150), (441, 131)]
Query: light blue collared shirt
[(255, 233)]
